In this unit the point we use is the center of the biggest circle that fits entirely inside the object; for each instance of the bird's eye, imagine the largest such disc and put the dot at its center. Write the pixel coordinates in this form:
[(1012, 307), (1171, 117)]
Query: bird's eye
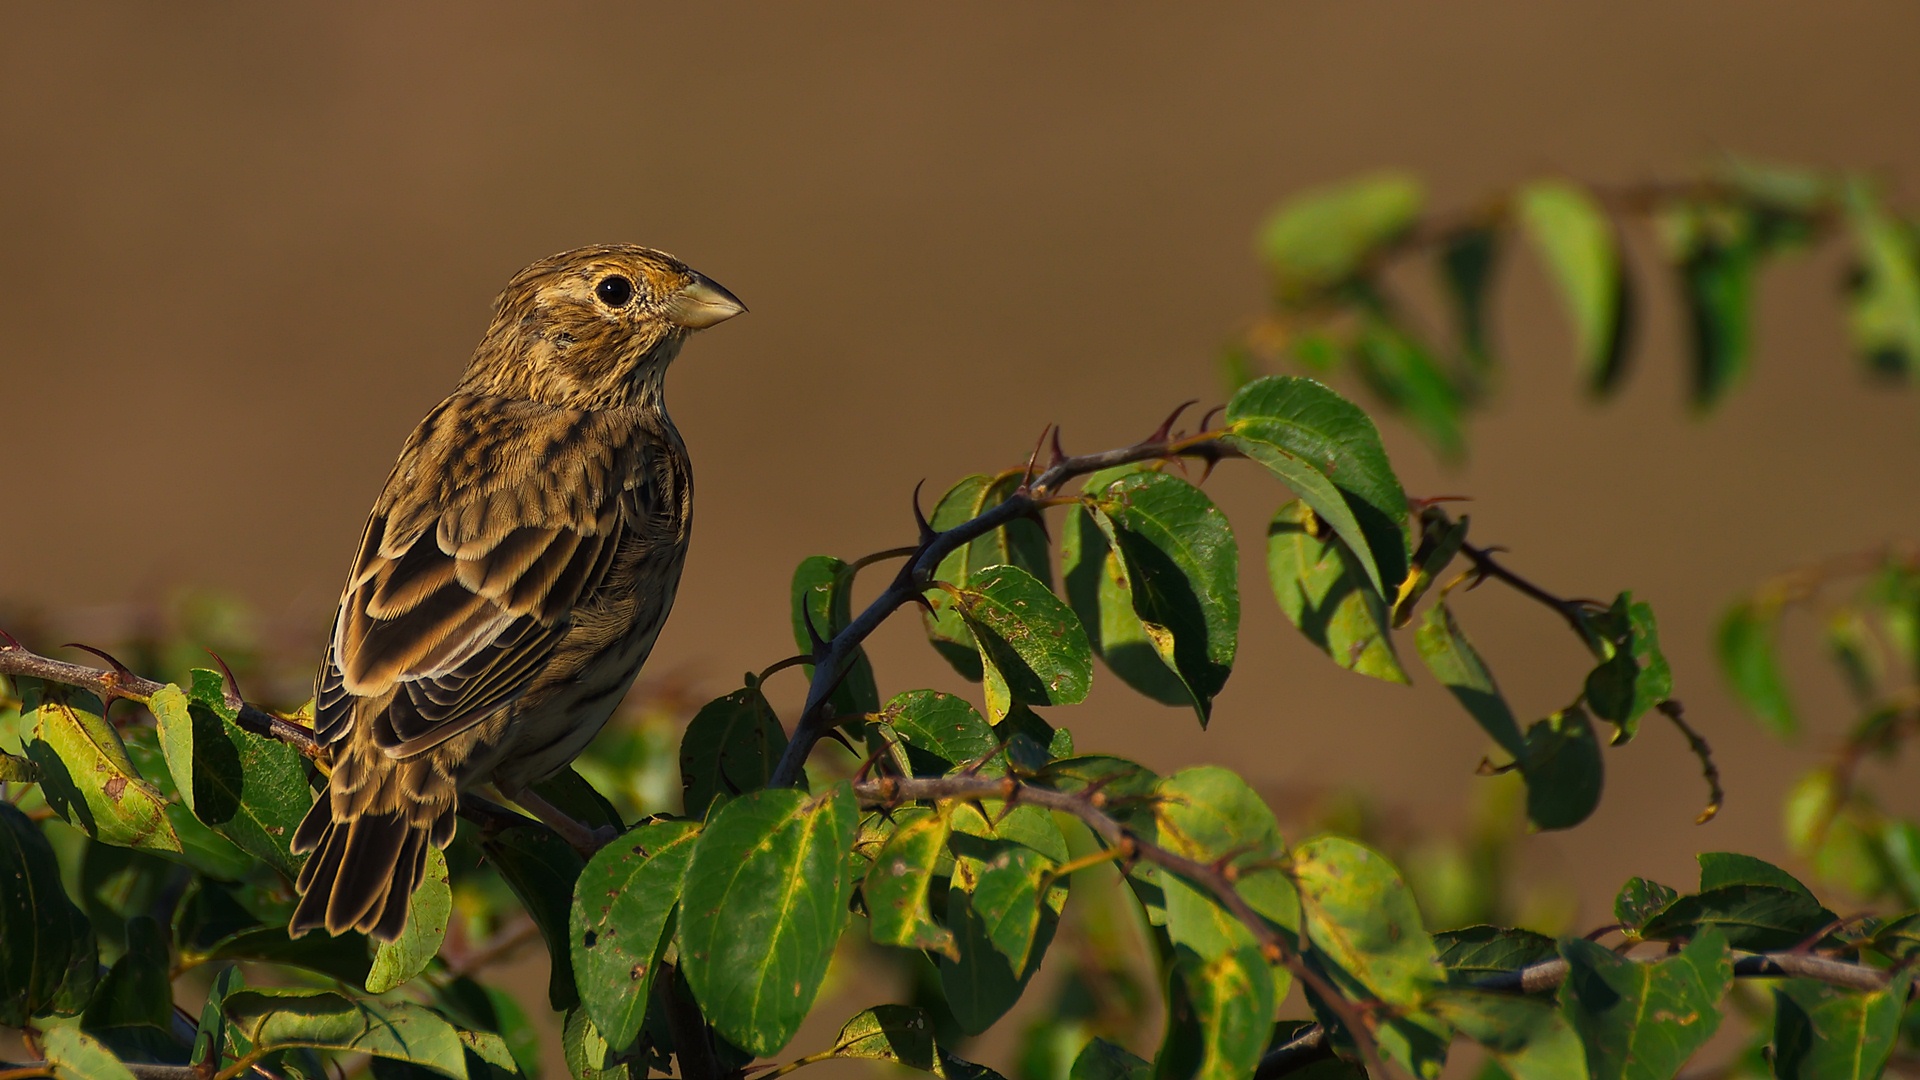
[(614, 291)]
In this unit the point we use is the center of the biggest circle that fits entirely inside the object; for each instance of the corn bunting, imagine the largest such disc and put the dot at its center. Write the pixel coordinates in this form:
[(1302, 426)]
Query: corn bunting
[(513, 576)]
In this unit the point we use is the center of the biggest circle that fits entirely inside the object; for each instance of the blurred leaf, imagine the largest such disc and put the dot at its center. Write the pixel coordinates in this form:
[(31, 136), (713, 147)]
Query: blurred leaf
[(1164, 594), (1528, 1038), (271, 1019), (1362, 932), (897, 1033), (1642, 1020), (1578, 245), (250, 789), (619, 922), (398, 961), (1467, 260), (137, 990), (1564, 770), (1208, 813), (48, 957), (1752, 903), (1323, 238), (1033, 649), (1884, 293), (1751, 666), (937, 732), (1320, 586), (1453, 660), (541, 870), (897, 885), (765, 901), (1440, 540), (1102, 1060), (1824, 1032), (1328, 451), (822, 593), (731, 746), (75, 1055), (1640, 900), (1022, 543), (1406, 375), (1220, 1014), (86, 775), (1714, 250), (1475, 952)]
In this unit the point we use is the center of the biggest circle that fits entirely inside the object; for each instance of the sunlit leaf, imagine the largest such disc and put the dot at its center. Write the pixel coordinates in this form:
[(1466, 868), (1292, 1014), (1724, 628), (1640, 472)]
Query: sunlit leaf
[(248, 788), (1208, 813), (1577, 242), (1321, 588), (1884, 292), (1752, 903), (1032, 647), (1328, 451), (1022, 543), (1220, 1016), (1640, 900), (934, 732), (764, 903), (86, 775), (76, 1055), (1323, 238), (273, 1019), (397, 961), (1475, 952), (619, 920), (1642, 1020), (896, 888), (1826, 1032), (1454, 661)]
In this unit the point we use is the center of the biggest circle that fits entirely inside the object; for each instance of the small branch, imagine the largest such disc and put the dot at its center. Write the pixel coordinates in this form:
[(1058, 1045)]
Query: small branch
[(140, 1069), (917, 573), (1486, 566), (1716, 796), (17, 659)]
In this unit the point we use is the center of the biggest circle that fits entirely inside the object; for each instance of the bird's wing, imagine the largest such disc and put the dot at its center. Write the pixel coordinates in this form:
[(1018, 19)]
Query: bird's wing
[(498, 520)]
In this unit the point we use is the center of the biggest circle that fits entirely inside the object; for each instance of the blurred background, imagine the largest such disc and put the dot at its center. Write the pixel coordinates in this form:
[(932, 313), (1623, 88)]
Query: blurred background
[(248, 247)]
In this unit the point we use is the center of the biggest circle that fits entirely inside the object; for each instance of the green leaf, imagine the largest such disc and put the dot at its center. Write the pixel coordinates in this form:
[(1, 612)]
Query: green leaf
[(936, 732), (1751, 666), (1362, 931), (1220, 1016), (48, 957), (730, 746), (250, 789), (75, 1055), (1563, 769), (898, 1033), (1466, 262), (279, 1019), (1328, 451), (1208, 813), (1404, 373), (765, 901), (1324, 238), (1475, 952), (397, 961), (1021, 543), (1635, 676), (822, 593), (1824, 1032), (1884, 292), (1528, 1038), (1752, 903), (1640, 900), (210, 1036), (1001, 921), (541, 869), (571, 794), (1713, 247), (621, 913), (86, 775), (1453, 660), (1320, 586), (1642, 1020), (1440, 540), (136, 991), (200, 847), (1103, 1060), (586, 1052), (1032, 648), (896, 888), (1153, 573), (1578, 244)]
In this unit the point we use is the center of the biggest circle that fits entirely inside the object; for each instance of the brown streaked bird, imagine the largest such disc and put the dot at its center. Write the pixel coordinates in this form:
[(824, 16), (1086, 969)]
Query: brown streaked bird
[(513, 576)]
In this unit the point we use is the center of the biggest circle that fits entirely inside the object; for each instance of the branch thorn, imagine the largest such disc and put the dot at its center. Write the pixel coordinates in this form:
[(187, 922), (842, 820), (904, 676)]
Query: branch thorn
[(927, 531), (229, 686), (1165, 430)]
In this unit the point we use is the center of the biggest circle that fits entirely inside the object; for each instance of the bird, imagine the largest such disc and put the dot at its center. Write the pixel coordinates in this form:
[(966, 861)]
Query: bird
[(513, 576)]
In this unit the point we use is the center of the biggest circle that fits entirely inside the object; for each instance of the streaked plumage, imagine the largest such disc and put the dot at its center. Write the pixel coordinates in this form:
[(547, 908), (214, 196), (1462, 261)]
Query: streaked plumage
[(513, 575)]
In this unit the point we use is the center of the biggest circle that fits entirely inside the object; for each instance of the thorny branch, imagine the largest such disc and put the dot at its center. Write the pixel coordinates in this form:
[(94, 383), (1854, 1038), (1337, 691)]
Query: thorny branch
[(917, 574)]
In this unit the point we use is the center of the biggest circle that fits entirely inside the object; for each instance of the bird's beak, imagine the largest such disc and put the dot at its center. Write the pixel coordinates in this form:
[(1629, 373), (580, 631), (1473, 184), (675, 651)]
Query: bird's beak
[(702, 303)]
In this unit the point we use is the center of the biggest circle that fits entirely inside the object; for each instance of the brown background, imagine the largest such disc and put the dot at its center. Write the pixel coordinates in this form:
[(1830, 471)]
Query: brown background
[(247, 247)]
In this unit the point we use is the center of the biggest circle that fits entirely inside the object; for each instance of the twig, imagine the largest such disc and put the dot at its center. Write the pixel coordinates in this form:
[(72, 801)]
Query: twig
[(1486, 566), (1715, 795), (915, 576)]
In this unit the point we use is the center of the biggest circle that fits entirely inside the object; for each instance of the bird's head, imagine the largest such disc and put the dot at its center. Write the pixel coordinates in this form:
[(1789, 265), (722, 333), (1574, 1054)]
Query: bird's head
[(594, 327)]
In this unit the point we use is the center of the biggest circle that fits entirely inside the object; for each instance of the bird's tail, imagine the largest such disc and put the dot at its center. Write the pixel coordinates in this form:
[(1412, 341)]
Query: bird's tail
[(369, 846)]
